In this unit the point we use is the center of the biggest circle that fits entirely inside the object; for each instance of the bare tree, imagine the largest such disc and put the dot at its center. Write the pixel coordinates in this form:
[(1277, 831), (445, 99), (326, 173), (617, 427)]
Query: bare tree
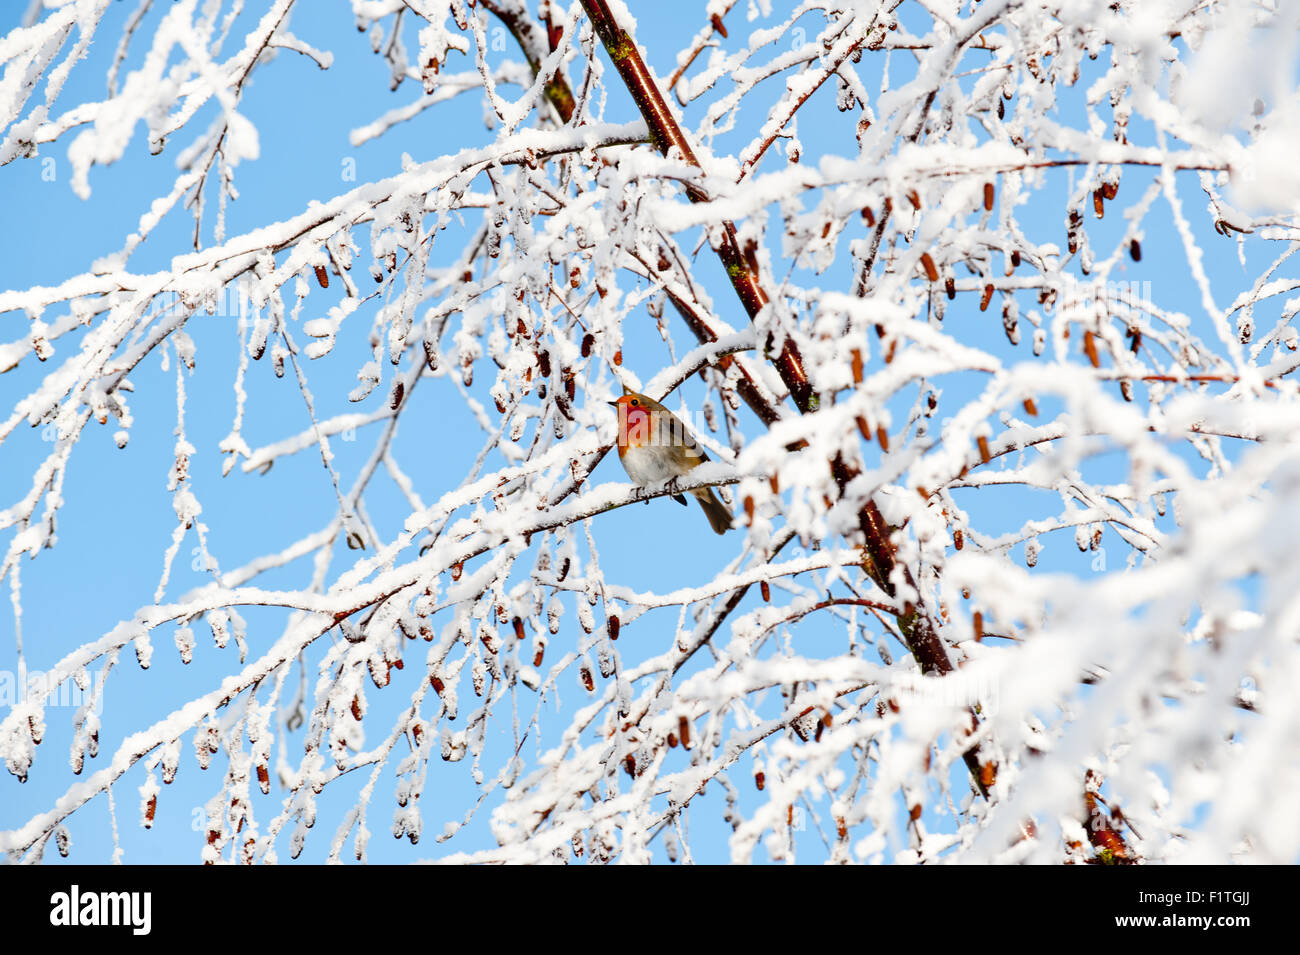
[(980, 320)]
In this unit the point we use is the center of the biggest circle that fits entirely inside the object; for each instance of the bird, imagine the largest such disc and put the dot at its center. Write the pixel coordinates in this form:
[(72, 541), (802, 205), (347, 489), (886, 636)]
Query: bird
[(655, 446)]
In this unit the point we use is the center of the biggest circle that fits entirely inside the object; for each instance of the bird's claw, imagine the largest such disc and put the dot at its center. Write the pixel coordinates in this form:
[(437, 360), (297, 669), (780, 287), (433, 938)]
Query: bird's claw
[(671, 485)]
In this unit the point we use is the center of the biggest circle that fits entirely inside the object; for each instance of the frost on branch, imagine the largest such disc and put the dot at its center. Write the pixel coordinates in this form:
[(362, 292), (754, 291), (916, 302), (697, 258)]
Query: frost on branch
[(940, 291)]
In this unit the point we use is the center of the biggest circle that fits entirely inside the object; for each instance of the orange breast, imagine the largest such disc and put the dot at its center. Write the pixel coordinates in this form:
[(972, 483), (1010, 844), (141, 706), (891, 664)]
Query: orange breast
[(634, 429)]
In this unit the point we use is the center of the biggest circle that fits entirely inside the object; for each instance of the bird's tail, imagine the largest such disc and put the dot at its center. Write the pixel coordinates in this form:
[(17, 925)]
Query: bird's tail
[(717, 513)]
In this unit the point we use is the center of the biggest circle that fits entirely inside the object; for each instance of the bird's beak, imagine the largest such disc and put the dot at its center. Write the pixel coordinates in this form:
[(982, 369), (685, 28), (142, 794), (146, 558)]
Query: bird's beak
[(612, 404)]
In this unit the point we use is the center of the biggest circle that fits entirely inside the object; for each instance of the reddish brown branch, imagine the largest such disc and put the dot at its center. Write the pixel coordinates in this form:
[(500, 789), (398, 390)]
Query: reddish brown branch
[(715, 26), (1107, 841), (746, 387), (536, 47), (915, 624), (667, 136)]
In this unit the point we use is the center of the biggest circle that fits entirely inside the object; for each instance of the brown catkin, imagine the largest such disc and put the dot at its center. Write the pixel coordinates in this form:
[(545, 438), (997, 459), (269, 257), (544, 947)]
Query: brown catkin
[(927, 263), (1090, 349)]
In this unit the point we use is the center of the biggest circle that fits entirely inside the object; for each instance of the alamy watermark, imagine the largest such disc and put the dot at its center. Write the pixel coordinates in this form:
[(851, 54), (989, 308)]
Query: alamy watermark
[(48, 690), (78, 907), (947, 694), (1074, 294)]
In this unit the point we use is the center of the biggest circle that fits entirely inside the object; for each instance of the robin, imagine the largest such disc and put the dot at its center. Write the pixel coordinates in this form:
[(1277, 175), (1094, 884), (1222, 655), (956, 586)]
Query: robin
[(655, 446)]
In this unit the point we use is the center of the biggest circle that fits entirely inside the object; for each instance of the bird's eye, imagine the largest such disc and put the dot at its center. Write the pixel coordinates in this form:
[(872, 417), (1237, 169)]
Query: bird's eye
[(635, 402)]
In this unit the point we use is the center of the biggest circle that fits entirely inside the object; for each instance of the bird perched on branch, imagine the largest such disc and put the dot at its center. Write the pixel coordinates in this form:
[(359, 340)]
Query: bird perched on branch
[(655, 446)]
